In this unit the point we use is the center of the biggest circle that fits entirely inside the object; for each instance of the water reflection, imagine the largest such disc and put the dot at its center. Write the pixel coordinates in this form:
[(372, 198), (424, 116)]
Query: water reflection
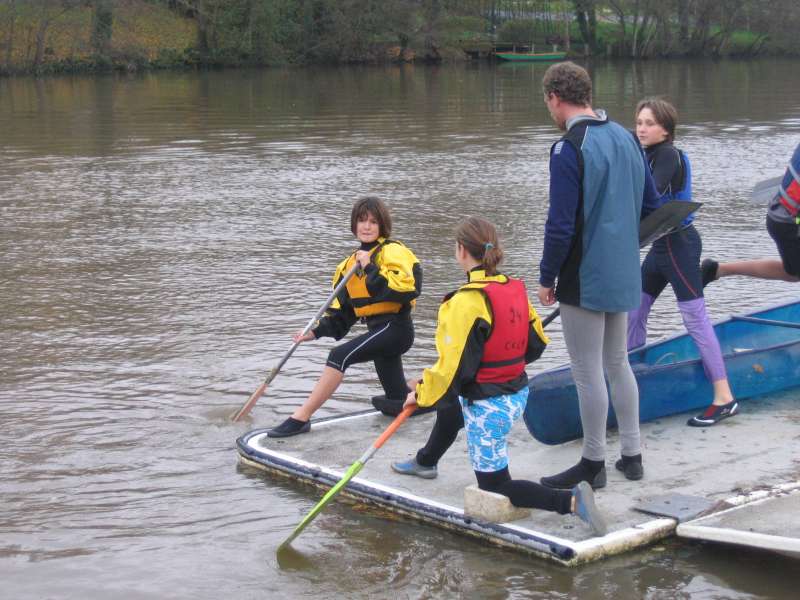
[(164, 234)]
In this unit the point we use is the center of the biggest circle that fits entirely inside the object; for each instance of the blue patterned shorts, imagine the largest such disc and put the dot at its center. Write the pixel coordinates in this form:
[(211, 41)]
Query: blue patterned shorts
[(487, 423)]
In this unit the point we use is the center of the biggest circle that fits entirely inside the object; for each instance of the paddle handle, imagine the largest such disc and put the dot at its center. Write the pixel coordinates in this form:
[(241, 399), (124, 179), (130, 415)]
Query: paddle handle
[(251, 402), (549, 318)]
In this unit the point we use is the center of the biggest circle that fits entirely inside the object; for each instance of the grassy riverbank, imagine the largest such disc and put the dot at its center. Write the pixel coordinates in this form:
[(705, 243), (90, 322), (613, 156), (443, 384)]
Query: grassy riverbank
[(144, 36), (71, 36)]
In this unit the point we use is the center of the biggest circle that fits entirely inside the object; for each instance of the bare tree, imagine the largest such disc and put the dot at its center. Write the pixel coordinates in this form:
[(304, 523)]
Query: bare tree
[(102, 25), (12, 20), (49, 13)]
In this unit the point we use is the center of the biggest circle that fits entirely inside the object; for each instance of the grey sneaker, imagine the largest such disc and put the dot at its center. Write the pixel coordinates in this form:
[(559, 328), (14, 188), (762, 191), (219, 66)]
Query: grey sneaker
[(587, 510), (412, 467)]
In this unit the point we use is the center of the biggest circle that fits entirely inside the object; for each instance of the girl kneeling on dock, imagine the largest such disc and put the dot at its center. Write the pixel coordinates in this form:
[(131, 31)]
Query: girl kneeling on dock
[(382, 295), (487, 331)]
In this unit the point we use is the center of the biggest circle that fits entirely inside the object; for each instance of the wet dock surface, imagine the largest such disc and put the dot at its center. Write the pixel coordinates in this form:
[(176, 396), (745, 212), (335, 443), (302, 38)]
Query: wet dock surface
[(752, 451)]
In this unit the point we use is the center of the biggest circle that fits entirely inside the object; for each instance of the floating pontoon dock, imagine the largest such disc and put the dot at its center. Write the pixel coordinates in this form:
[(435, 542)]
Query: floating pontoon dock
[(689, 472)]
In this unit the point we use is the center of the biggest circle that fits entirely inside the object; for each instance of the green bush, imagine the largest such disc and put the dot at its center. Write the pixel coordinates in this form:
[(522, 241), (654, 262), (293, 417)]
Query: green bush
[(521, 31)]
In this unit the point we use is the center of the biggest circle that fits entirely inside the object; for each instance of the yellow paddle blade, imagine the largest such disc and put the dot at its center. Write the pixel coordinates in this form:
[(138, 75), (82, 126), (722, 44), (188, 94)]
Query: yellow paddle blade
[(349, 474)]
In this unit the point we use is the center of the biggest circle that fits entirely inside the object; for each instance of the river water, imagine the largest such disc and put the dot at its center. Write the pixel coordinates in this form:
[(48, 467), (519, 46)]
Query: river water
[(163, 234)]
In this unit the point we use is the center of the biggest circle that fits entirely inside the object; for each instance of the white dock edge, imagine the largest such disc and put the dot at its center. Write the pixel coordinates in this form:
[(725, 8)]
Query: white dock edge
[(514, 536), (766, 520)]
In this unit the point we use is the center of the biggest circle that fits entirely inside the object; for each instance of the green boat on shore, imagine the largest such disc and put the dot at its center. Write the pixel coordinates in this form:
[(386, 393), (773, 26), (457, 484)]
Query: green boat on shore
[(529, 56)]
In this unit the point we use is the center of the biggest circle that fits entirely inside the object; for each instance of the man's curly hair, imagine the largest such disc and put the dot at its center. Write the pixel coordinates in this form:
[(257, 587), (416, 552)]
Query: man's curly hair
[(570, 82)]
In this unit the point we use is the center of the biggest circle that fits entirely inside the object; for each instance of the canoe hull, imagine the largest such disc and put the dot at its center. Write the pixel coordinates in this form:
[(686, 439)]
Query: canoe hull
[(759, 359), (528, 57)]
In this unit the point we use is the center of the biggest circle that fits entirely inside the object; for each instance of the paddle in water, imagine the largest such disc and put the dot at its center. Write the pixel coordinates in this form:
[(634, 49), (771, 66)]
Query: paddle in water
[(659, 222), (349, 474), (251, 402)]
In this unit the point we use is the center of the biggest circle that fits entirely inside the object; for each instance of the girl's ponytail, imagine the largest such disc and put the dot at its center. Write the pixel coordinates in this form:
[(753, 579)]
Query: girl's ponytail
[(479, 238)]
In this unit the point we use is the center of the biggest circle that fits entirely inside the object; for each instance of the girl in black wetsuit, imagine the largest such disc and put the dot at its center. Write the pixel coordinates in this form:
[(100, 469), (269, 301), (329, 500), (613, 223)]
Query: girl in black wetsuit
[(675, 258), (382, 295)]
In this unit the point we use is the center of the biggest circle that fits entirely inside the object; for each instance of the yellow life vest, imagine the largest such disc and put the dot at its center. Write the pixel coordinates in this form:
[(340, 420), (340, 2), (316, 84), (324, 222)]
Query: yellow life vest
[(357, 285)]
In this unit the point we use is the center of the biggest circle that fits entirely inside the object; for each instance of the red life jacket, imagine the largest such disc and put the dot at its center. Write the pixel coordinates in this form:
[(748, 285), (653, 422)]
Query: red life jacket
[(504, 352), (790, 196)]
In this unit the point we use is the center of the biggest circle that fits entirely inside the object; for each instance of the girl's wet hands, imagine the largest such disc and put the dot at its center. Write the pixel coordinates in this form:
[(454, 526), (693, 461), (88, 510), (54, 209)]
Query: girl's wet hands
[(363, 258), (411, 399)]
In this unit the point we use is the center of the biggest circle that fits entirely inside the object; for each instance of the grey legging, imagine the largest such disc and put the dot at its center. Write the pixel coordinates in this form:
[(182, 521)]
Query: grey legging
[(597, 341)]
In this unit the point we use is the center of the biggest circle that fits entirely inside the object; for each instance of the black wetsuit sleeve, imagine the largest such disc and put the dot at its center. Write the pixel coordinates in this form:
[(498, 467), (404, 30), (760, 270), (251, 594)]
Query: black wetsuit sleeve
[(336, 322), (381, 291), (665, 163), (535, 346), (470, 361)]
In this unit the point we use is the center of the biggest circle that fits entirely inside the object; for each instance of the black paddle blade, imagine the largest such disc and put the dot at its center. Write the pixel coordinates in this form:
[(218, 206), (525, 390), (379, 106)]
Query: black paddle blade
[(766, 190), (664, 218)]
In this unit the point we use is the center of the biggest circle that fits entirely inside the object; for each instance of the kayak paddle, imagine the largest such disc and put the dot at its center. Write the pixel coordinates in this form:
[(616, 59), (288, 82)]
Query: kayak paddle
[(653, 226), (251, 402), (349, 474), (766, 190)]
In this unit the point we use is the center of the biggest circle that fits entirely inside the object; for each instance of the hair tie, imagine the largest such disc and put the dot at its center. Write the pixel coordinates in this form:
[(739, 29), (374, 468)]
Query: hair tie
[(488, 246)]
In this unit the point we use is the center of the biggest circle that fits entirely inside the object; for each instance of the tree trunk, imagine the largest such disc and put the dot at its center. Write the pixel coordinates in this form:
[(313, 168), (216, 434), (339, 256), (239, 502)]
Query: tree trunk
[(10, 40), (102, 26), (203, 29), (587, 22), (619, 10), (636, 28), (683, 21), (41, 36)]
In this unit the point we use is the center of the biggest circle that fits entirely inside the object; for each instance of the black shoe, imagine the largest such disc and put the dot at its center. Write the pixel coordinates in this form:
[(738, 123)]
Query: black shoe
[(392, 408), (714, 414), (566, 480), (289, 428), (708, 271), (631, 466)]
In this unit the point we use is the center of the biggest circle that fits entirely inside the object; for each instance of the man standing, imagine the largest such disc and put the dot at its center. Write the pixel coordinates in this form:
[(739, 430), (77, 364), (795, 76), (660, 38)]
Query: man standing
[(600, 187)]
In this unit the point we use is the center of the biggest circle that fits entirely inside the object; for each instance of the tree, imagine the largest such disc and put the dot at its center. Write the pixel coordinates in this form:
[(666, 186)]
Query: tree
[(48, 14), (102, 26), (585, 13)]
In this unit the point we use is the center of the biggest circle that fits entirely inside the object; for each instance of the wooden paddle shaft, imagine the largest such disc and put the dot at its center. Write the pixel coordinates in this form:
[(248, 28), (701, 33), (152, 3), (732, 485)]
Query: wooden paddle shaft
[(251, 402)]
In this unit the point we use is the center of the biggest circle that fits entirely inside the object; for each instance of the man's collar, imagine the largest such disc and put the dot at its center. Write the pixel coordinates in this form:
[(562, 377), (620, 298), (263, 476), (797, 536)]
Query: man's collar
[(601, 117)]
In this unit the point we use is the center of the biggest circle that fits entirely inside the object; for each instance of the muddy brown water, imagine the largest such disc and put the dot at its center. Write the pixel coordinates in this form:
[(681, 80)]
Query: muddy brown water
[(161, 237)]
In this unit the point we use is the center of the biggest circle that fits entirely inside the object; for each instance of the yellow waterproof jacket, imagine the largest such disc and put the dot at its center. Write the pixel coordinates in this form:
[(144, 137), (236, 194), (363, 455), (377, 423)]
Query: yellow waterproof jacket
[(464, 325), (388, 285)]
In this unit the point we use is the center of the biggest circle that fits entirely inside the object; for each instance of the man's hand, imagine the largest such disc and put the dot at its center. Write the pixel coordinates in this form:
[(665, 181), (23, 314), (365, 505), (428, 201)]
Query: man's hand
[(411, 399), (547, 296)]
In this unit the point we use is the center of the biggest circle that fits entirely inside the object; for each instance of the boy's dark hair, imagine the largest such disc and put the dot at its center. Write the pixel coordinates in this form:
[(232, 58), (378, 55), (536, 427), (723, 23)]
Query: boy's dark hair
[(664, 113), (570, 82), (376, 207)]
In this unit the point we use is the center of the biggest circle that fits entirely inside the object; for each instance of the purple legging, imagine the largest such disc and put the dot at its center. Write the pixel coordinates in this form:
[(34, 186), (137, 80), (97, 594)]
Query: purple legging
[(697, 323)]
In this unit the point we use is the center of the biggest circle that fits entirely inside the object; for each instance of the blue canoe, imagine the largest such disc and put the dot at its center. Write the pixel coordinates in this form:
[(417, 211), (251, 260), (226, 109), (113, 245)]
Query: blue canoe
[(761, 351)]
